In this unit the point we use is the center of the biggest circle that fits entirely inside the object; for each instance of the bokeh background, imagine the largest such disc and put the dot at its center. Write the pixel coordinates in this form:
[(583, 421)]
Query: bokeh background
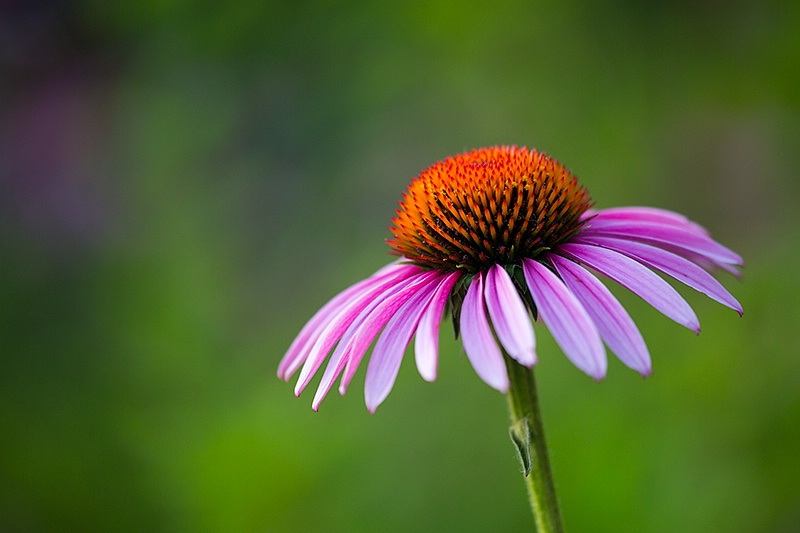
[(183, 183)]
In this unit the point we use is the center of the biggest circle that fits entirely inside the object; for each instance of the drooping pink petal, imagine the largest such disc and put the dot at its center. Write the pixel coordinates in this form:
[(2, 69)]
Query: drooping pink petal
[(661, 234), (673, 265), (426, 341), (636, 278), (612, 320), (297, 352), (341, 354), (376, 319), (300, 347), (704, 262), (384, 363), (567, 320), (479, 344), (648, 214), (509, 316), (336, 326)]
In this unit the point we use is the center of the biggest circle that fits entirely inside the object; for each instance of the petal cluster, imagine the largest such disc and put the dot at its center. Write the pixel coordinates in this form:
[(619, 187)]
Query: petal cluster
[(398, 301), (635, 247)]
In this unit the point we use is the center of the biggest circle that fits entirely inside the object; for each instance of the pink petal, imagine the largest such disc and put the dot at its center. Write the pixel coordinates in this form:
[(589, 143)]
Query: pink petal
[(510, 317), (338, 323), (476, 335), (426, 342), (374, 319), (566, 319), (673, 265), (356, 338), (612, 320), (298, 351), (665, 234), (390, 347), (300, 347), (649, 214), (636, 278), (703, 262)]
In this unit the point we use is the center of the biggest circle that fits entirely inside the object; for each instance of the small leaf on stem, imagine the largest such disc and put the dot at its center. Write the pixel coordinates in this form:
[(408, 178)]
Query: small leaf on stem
[(520, 434)]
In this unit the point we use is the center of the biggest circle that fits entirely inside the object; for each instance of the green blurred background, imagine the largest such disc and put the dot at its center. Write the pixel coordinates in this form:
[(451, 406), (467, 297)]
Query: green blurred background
[(182, 184)]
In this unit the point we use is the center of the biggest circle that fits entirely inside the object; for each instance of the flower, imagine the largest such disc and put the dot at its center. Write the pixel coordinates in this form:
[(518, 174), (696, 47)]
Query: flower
[(509, 231)]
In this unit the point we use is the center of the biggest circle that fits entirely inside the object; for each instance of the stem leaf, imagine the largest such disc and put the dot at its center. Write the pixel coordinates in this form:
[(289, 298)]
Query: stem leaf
[(520, 433)]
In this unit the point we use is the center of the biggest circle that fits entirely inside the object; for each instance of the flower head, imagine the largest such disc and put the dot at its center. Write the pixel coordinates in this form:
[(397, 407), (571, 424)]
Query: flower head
[(487, 207), (509, 231)]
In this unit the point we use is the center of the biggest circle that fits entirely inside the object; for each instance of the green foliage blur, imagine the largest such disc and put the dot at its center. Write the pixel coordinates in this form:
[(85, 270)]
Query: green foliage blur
[(183, 184)]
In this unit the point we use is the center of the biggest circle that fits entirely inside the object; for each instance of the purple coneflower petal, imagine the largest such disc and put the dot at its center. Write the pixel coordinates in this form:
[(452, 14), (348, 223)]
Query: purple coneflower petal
[(665, 234), (476, 335), (357, 338), (390, 347), (567, 320), (636, 278), (612, 320), (704, 262), (334, 369), (298, 351), (673, 265), (510, 318), (341, 355), (426, 341), (649, 214), (374, 319), (338, 323)]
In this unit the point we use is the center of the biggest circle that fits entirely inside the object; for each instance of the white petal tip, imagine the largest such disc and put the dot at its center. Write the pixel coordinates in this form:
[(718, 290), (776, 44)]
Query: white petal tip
[(497, 382), (372, 408), (430, 378), (598, 374), (302, 383), (285, 372), (526, 358), (315, 403)]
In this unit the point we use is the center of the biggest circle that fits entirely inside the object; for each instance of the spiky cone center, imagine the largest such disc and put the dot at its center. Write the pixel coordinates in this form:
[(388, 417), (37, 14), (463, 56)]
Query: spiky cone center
[(485, 207)]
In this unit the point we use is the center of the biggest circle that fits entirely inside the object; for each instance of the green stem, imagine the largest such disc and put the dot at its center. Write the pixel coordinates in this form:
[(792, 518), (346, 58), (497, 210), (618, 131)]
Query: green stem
[(527, 433)]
